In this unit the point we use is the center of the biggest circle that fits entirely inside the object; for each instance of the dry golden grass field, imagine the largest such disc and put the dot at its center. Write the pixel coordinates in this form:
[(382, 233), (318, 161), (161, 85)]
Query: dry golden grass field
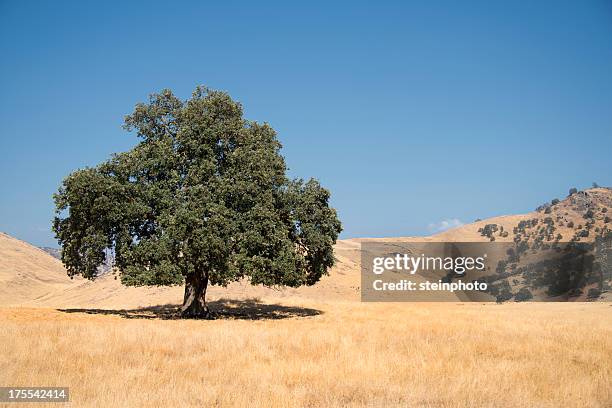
[(312, 354)]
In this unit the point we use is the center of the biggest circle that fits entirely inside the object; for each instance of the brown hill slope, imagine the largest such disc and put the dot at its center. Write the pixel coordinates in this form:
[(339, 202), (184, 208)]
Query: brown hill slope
[(28, 273)]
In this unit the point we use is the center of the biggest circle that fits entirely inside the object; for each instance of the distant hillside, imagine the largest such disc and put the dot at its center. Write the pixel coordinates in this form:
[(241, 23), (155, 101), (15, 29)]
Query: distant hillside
[(545, 241), (102, 269), (580, 217), (54, 252)]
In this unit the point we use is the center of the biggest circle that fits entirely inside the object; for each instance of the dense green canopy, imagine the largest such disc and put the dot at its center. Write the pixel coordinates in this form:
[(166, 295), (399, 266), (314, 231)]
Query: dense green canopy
[(203, 197)]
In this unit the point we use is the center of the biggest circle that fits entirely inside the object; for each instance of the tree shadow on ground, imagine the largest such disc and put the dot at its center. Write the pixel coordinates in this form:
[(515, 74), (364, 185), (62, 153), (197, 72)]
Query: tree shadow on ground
[(232, 309)]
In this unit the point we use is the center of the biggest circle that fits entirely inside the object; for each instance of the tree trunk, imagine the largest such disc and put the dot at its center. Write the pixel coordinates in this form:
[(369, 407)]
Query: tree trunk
[(194, 302)]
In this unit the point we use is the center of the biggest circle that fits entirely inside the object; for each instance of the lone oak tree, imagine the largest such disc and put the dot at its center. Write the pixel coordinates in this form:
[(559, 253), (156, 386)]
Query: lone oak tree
[(202, 199)]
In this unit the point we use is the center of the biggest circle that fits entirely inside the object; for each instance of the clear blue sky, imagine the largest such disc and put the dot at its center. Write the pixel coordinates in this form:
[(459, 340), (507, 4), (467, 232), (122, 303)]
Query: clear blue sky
[(410, 113)]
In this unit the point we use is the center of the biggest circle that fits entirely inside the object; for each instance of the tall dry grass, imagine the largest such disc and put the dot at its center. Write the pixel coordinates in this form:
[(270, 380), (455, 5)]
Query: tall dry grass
[(431, 355)]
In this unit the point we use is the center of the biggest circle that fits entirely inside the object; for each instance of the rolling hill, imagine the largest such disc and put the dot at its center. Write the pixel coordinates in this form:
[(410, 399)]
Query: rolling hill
[(28, 273)]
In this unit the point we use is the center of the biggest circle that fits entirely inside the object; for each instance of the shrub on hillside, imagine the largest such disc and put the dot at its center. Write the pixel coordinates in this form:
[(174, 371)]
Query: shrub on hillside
[(505, 293), (593, 293), (503, 296), (488, 230), (523, 295)]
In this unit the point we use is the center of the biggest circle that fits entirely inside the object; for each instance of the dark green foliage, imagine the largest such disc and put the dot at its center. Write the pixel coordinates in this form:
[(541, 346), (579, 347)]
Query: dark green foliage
[(523, 295), (488, 230), (572, 191), (521, 247), (501, 266), (593, 293), (512, 256), (203, 196), (555, 201), (570, 271), (504, 292), (493, 290)]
